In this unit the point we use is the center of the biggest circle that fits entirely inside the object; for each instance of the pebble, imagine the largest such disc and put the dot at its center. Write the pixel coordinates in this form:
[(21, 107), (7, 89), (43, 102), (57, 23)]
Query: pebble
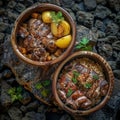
[(102, 12), (90, 4)]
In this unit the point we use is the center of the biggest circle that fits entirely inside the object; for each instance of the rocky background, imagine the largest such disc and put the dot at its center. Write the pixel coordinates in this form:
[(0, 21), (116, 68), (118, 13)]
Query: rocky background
[(99, 19)]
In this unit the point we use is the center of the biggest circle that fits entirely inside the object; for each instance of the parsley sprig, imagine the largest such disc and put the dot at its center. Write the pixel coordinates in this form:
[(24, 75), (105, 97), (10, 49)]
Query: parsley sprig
[(75, 76), (43, 87), (95, 77), (15, 93), (69, 93), (57, 17), (88, 85), (84, 44)]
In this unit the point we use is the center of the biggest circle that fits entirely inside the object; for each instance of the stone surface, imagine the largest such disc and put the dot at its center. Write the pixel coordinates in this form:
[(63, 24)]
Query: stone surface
[(90, 4)]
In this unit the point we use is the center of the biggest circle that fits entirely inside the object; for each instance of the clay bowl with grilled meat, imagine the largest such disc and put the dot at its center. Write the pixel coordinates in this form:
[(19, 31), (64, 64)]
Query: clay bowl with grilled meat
[(43, 34), (83, 83)]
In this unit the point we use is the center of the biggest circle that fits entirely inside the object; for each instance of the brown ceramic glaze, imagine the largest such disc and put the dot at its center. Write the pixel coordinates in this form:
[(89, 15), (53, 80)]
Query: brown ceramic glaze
[(40, 8), (108, 74)]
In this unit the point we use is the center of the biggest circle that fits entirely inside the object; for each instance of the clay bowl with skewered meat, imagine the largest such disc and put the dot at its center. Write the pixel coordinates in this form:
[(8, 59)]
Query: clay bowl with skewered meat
[(83, 83), (43, 34)]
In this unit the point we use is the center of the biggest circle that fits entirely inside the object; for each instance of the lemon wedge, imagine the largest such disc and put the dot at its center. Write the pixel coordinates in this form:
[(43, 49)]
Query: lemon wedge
[(63, 42)]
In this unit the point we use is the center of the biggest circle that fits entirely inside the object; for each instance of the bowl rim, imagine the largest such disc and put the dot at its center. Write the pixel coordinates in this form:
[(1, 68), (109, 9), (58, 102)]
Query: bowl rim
[(105, 99), (48, 7)]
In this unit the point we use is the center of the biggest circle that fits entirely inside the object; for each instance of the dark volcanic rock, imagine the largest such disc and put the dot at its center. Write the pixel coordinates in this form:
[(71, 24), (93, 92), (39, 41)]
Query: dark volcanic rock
[(3, 26), (117, 19), (12, 16), (4, 97), (1, 37), (90, 4), (105, 50), (111, 28), (67, 3), (117, 73), (76, 7), (85, 32), (114, 4), (15, 113), (7, 73), (112, 64), (101, 34), (102, 2), (34, 116), (26, 98), (11, 4), (4, 117), (2, 11), (116, 45), (85, 18), (20, 7), (102, 12), (100, 25)]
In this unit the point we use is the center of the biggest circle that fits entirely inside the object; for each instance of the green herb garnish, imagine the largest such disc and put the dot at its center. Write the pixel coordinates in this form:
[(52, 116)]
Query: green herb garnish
[(95, 77), (69, 93), (46, 83), (38, 86), (45, 92), (88, 85), (15, 93), (75, 76), (57, 17), (84, 44)]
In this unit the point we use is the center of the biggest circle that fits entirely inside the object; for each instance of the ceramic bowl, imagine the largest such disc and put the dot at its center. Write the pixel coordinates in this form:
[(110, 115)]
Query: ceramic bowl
[(108, 76), (40, 8)]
